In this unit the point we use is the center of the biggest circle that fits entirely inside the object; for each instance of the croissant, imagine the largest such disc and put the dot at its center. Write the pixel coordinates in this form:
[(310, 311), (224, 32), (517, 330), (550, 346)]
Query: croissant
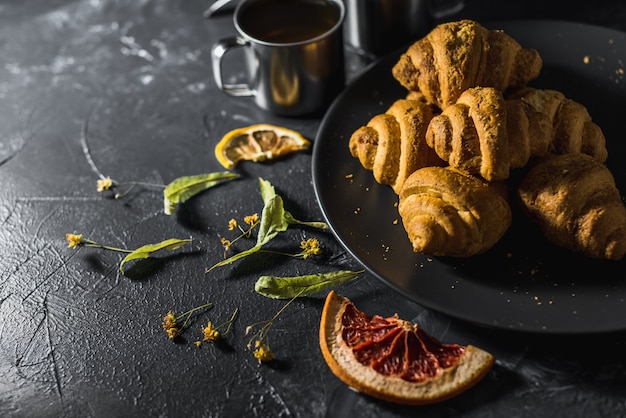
[(449, 213), (393, 145), (575, 202), (458, 55), (486, 135), (571, 126)]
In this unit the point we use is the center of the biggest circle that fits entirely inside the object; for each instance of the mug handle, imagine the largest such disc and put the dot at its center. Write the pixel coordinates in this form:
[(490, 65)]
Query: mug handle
[(217, 53), (447, 8)]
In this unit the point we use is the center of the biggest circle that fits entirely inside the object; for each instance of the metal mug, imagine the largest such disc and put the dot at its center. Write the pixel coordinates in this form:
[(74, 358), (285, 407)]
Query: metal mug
[(293, 53), (377, 27)]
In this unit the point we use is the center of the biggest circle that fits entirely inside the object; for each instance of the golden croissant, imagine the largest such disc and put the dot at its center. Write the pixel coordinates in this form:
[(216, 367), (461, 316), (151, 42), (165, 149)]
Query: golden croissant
[(486, 135), (569, 123), (392, 144), (449, 213), (462, 54), (575, 202)]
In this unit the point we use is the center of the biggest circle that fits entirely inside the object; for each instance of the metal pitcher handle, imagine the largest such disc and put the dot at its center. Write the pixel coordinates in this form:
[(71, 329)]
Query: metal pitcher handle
[(217, 53), (447, 8)]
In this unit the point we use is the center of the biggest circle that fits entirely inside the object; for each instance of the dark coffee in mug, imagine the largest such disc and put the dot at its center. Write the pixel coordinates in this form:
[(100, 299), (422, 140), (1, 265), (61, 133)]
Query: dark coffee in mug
[(293, 54), (288, 21)]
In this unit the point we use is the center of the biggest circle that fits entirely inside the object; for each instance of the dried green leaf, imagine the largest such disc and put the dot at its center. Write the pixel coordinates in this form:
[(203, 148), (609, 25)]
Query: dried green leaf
[(147, 250), (274, 214), (272, 220), (314, 224), (235, 257), (291, 287), (267, 190), (183, 188)]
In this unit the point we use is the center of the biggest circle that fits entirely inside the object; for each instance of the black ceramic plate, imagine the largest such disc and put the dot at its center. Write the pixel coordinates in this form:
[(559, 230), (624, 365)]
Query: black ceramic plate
[(523, 283)]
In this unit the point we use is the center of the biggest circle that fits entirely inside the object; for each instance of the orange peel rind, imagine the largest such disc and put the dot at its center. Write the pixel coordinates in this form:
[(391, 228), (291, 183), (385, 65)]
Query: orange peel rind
[(257, 143), (468, 369)]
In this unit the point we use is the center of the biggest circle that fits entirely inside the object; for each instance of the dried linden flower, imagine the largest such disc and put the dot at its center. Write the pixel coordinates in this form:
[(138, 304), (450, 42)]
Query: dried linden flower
[(172, 332), (226, 243), (73, 240), (169, 320), (262, 352), (104, 184), (232, 224), (251, 219), (310, 247), (210, 334)]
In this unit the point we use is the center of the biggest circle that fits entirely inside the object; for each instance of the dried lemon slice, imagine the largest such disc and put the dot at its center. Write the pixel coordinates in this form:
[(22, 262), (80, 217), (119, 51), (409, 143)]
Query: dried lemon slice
[(258, 143), (393, 359)]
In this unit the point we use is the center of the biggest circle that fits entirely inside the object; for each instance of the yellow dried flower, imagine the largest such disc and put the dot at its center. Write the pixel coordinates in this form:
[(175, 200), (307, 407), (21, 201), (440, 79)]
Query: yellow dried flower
[(73, 240), (251, 219), (262, 352), (169, 321), (210, 334), (198, 343), (172, 332), (232, 224), (104, 184), (310, 247), (226, 243)]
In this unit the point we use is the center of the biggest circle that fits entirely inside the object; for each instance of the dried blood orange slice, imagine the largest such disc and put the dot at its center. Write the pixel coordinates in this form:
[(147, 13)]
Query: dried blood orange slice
[(258, 143), (393, 359)]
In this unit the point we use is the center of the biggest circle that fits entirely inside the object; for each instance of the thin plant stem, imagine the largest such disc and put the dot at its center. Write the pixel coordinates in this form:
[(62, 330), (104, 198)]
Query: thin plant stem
[(279, 253), (89, 243), (244, 234), (262, 333), (191, 311), (229, 322), (132, 185)]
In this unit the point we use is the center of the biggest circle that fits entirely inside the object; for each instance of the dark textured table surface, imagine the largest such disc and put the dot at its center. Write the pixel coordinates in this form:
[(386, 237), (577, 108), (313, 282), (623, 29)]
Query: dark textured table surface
[(124, 89)]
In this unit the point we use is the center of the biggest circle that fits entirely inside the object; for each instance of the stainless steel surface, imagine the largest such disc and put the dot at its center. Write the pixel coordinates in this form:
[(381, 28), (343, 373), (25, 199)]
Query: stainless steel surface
[(377, 27), (286, 78), (219, 6)]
